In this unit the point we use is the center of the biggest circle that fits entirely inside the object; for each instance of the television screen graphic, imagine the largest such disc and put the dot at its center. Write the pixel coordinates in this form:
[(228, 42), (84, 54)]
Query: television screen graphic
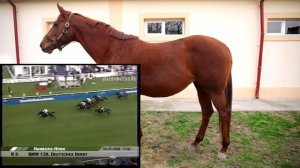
[(70, 115)]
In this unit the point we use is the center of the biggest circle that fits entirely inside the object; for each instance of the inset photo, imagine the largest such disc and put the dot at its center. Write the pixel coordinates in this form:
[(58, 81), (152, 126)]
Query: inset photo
[(70, 115)]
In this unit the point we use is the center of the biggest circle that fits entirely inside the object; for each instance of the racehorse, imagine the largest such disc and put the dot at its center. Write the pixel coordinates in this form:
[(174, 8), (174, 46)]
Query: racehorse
[(100, 98), (102, 110), (44, 115), (166, 68), (121, 94), (79, 106), (91, 103)]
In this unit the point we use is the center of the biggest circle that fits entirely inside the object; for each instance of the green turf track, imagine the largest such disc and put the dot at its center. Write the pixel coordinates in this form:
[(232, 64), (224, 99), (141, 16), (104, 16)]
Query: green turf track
[(73, 129)]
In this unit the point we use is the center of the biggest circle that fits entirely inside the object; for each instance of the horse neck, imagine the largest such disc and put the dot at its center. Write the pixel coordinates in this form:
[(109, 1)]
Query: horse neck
[(96, 43)]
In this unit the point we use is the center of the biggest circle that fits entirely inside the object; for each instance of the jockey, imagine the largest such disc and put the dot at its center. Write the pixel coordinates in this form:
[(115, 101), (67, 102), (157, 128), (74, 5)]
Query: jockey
[(89, 100), (82, 104), (45, 111), (101, 108), (97, 97)]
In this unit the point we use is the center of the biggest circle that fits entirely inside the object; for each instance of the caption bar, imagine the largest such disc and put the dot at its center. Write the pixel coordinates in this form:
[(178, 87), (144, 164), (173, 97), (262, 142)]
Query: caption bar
[(104, 152), (69, 154)]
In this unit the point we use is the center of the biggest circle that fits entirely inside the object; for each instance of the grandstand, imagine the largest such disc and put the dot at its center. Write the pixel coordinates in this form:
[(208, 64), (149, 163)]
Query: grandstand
[(68, 84), (64, 78), (33, 71)]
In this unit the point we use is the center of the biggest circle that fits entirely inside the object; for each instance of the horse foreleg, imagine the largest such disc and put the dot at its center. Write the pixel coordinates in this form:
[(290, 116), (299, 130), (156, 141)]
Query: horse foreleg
[(224, 110), (207, 110)]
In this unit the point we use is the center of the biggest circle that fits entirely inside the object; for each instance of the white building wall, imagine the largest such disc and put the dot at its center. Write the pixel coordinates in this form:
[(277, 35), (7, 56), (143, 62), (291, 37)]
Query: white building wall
[(7, 40), (281, 64), (282, 6), (280, 75)]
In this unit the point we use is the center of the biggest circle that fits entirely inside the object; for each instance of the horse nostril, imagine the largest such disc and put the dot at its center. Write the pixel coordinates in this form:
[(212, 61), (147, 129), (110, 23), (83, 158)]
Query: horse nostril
[(43, 48)]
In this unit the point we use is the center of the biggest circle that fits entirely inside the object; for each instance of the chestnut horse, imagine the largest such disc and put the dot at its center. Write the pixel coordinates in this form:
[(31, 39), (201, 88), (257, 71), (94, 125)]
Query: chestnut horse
[(166, 68)]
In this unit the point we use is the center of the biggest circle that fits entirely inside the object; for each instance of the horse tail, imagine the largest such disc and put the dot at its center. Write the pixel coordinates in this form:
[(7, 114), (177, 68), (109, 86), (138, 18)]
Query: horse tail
[(228, 92), (228, 95)]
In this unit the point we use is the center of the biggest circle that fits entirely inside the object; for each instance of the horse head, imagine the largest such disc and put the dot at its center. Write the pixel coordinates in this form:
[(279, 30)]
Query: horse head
[(60, 34)]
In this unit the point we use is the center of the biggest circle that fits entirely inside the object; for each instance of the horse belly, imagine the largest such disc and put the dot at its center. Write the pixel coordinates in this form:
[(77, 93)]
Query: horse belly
[(163, 88), (167, 74)]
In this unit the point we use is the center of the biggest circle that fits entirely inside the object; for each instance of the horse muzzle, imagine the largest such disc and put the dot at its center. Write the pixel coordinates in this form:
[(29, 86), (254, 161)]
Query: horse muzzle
[(46, 47)]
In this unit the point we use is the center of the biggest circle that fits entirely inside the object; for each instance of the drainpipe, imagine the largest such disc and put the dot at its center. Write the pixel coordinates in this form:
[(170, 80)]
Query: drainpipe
[(16, 30), (261, 47)]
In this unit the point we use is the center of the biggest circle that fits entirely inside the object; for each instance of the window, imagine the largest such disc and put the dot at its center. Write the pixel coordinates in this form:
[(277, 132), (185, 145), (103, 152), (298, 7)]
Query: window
[(282, 27), (174, 27), (275, 27), (292, 26), (153, 27), (164, 27), (158, 27)]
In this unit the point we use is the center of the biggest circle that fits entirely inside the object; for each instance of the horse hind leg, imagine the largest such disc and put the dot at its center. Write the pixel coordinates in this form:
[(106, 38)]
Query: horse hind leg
[(207, 110), (224, 110)]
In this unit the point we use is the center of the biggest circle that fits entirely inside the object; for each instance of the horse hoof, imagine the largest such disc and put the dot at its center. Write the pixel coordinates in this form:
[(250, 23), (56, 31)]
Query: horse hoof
[(191, 148), (222, 156)]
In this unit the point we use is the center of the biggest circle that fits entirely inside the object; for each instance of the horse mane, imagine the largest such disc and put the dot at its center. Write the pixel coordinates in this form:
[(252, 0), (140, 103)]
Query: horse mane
[(118, 34), (109, 30)]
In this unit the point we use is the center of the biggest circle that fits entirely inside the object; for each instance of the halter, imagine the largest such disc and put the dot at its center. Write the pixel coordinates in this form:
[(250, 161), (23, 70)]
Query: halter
[(64, 32)]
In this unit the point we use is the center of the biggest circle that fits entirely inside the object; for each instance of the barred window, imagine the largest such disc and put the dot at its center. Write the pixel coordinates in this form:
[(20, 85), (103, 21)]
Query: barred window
[(154, 27), (164, 27), (173, 27)]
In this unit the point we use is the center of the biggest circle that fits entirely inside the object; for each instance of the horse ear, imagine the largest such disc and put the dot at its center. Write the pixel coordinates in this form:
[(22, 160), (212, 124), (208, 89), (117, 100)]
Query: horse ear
[(61, 10)]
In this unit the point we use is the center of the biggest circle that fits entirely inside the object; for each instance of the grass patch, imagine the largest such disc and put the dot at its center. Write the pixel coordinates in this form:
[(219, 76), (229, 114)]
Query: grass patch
[(267, 125), (258, 139), (5, 73)]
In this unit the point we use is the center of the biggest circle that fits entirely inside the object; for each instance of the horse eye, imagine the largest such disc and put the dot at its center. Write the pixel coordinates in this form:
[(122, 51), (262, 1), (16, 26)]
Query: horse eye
[(55, 24)]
